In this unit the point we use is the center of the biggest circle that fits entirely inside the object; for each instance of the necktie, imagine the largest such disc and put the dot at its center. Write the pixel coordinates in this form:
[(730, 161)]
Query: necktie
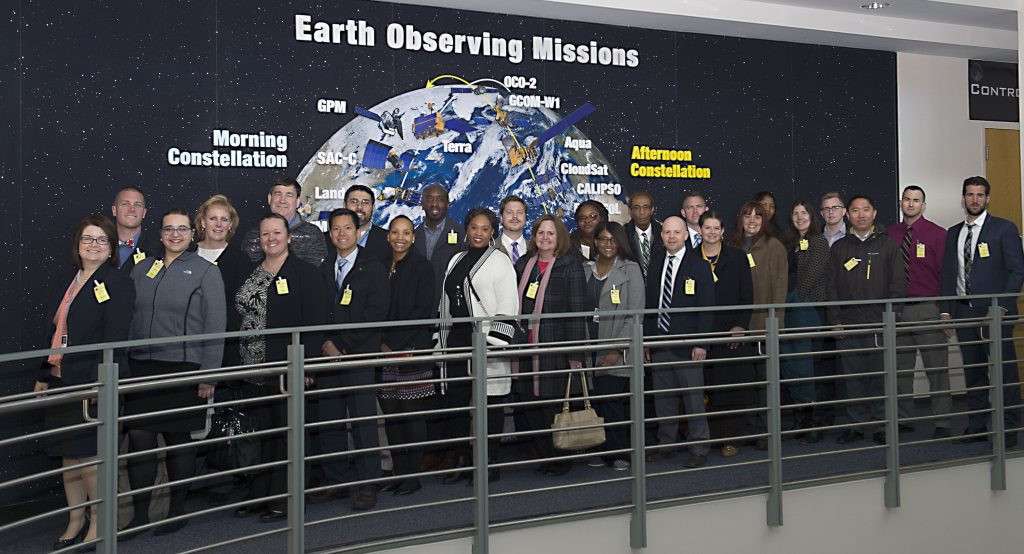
[(905, 248), (666, 296), (968, 252), (696, 241), (339, 279), (515, 252), (645, 251)]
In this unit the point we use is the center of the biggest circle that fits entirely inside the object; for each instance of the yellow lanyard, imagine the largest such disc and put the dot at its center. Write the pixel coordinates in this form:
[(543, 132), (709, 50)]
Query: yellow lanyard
[(711, 263)]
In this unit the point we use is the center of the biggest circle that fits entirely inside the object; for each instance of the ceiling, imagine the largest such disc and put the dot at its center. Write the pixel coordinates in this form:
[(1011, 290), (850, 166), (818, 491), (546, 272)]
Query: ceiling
[(979, 29)]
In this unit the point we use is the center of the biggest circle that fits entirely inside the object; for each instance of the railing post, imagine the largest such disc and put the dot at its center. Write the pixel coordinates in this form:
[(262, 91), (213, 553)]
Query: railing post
[(638, 521), (481, 516), (774, 419), (892, 431), (296, 406), (995, 358), (106, 471)]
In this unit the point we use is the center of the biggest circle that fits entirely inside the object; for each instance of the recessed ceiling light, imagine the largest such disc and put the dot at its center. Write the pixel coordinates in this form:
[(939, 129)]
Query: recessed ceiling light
[(874, 5)]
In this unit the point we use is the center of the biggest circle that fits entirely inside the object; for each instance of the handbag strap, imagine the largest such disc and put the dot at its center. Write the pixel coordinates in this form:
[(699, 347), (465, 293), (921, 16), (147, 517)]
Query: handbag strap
[(568, 387)]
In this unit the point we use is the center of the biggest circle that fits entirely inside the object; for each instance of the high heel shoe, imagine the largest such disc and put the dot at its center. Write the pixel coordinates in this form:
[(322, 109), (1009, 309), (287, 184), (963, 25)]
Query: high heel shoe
[(64, 543)]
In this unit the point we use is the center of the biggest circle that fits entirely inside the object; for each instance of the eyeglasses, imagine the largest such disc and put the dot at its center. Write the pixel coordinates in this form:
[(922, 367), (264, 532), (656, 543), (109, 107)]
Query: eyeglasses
[(181, 230), (357, 202), (605, 240), (591, 217), (831, 209), (88, 239)]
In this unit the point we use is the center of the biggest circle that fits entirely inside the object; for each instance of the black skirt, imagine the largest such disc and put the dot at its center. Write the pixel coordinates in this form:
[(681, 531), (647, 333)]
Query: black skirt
[(72, 444), (164, 399)]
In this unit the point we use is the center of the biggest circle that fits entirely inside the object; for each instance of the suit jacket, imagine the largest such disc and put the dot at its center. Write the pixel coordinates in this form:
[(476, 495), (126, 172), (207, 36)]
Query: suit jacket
[(692, 267), (303, 305), (377, 247), (371, 294), (235, 267), (734, 287), (1001, 272), (656, 244), (149, 244), (443, 252), (625, 277), (90, 322)]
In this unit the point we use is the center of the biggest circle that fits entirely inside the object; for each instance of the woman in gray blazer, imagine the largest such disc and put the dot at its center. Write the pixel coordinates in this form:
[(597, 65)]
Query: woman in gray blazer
[(614, 284)]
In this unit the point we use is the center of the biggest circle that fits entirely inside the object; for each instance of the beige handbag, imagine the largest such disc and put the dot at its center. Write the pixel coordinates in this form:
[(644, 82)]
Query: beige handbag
[(566, 435)]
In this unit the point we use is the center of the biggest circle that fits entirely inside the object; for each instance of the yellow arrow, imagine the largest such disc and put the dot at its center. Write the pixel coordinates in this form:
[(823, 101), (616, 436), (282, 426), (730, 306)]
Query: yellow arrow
[(430, 82)]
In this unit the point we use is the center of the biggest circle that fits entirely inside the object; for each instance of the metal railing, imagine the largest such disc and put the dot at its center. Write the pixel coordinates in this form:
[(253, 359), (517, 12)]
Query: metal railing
[(107, 391)]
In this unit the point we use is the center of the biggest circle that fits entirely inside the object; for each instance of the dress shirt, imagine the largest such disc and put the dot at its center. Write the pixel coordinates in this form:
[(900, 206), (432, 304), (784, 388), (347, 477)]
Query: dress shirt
[(678, 261), (432, 235), (507, 241), (124, 252), (641, 233), (351, 261), (923, 276), (363, 235), (694, 237), (834, 237), (960, 285)]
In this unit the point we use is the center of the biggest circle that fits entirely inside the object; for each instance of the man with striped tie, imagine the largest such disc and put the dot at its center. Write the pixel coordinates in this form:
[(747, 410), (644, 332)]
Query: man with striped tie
[(679, 279), (922, 244), (694, 206), (643, 230), (513, 220)]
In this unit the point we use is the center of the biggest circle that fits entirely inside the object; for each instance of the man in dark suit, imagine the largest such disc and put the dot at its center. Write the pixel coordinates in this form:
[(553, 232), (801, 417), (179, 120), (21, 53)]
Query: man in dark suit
[(359, 294), (983, 256), (373, 240), (133, 246), (679, 279), (643, 231), (694, 206), (439, 237)]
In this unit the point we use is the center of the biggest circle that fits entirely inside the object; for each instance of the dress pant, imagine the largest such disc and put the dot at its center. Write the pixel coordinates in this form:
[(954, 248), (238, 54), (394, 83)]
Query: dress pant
[(334, 438), (268, 415), (979, 376), (613, 410), (934, 353), (667, 404), (862, 359)]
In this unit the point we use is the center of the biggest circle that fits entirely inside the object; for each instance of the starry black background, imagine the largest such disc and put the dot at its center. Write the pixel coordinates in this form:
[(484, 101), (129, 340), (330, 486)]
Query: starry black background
[(93, 94)]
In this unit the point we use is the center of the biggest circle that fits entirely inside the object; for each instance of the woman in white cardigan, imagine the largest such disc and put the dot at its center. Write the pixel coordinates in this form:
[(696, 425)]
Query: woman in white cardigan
[(479, 282)]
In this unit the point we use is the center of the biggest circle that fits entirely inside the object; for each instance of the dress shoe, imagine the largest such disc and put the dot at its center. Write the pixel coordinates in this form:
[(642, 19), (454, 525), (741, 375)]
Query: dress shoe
[(968, 440), (811, 437), (391, 486), (878, 437), (659, 455), (453, 478), (64, 543), (170, 528), (326, 496), (941, 433), (408, 486), (365, 500), (272, 515), (849, 436), (250, 510), (696, 460), (761, 444), (728, 451)]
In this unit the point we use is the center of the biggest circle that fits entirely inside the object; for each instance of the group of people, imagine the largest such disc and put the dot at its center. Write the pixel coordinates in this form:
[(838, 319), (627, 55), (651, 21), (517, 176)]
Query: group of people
[(190, 279)]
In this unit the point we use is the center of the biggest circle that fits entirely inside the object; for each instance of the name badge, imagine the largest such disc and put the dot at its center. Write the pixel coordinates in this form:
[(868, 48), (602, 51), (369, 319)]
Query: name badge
[(139, 256), (851, 263), (157, 266), (100, 290), (920, 250), (63, 340), (691, 287), (983, 249), (531, 291), (750, 260), (615, 297), (346, 296), (804, 244), (282, 286), (453, 237)]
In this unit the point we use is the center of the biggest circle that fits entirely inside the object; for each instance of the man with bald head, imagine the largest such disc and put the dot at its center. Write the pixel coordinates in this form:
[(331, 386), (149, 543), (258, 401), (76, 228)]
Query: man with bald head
[(439, 237)]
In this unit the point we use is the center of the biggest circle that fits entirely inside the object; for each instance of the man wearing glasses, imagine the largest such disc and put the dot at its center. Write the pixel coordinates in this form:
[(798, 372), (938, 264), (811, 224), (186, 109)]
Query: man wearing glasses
[(373, 240), (833, 212), (129, 210), (308, 241)]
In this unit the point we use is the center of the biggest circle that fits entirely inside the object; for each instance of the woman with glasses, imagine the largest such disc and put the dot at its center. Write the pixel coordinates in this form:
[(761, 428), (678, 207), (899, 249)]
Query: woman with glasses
[(808, 265), (589, 214), (769, 271), (614, 283), (282, 291), (730, 272), (177, 295), (95, 307)]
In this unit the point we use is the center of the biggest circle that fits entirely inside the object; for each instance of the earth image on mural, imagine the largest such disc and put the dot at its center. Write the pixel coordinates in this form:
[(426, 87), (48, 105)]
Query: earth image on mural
[(468, 140)]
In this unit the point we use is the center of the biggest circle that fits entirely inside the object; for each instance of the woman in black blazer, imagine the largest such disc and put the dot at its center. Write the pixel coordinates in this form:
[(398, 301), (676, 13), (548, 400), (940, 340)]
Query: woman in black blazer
[(95, 307), (551, 281), (412, 297), (282, 291), (733, 287)]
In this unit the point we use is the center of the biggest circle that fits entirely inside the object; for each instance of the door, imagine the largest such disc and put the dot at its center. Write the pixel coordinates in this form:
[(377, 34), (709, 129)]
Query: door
[(1002, 169)]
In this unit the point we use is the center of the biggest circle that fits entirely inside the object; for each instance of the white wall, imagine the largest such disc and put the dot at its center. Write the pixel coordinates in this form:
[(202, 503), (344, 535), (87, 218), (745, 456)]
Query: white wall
[(938, 145), (949, 510)]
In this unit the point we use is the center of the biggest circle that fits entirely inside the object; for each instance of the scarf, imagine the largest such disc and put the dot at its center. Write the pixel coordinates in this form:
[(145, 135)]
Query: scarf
[(538, 307)]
